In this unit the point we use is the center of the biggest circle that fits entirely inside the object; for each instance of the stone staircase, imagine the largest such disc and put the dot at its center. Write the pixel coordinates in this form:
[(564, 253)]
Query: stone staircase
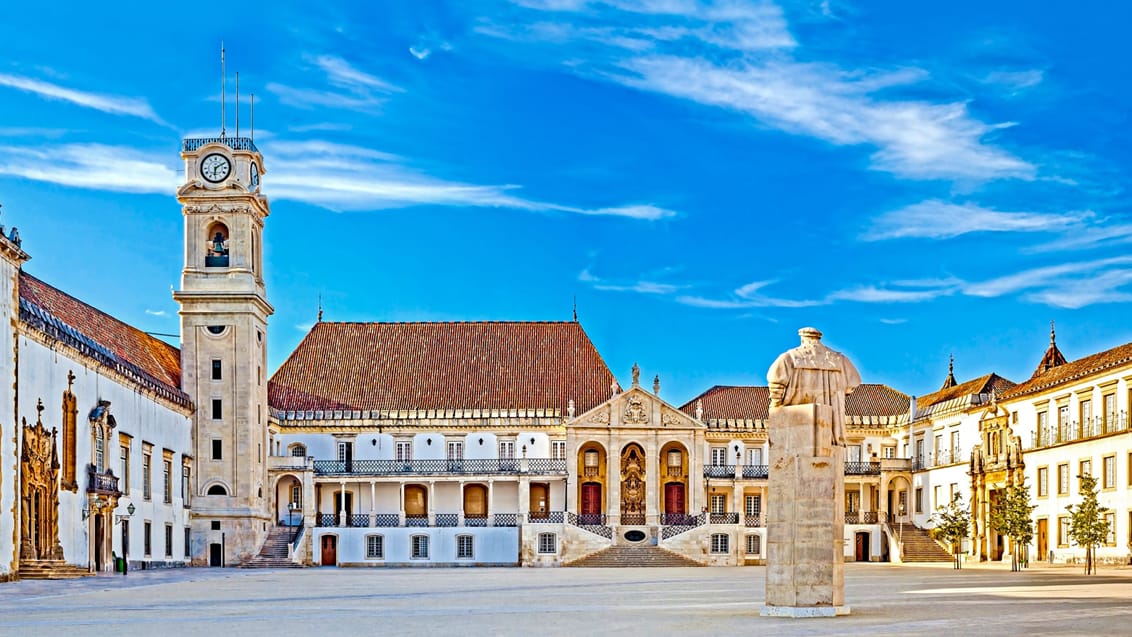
[(917, 545), (630, 556), (51, 569), (273, 553)]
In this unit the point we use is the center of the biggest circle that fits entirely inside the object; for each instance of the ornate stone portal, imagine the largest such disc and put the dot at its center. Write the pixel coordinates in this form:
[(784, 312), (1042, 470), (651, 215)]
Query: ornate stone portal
[(805, 517), (39, 493), (633, 485)]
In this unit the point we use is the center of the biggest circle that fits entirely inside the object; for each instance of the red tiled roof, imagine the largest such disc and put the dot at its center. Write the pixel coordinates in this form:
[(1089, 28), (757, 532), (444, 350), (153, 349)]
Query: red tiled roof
[(1073, 371), (461, 365), (129, 345), (980, 385), (724, 402)]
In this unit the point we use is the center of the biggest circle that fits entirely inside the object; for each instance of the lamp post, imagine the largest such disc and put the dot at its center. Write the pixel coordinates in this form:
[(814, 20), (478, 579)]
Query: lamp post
[(291, 506), (129, 511)]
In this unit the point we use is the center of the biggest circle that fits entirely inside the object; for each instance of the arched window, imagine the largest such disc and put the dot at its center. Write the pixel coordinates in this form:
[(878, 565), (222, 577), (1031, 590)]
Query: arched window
[(299, 451), (216, 246), (217, 489)]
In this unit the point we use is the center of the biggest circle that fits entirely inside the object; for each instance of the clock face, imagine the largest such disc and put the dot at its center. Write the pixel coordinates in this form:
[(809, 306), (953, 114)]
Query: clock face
[(255, 175), (215, 167)]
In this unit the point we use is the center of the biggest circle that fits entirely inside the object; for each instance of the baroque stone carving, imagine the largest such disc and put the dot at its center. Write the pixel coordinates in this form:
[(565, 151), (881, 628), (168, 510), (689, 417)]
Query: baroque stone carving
[(670, 419), (39, 492), (632, 482), (601, 417), (636, 413), (70, 421)]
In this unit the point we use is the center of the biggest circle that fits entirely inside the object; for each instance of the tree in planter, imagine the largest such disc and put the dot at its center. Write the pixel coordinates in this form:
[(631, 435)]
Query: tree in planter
[(1010, 516), (1087, 524), (952, 525)]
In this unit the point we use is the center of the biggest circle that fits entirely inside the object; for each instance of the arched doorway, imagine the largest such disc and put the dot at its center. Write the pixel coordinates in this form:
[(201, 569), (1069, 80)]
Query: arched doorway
[(539, 505), (289, 501), (416, 502), (897, 504), (591, 483), (673, 469), (633, 484), (475, 501), (39, 494)]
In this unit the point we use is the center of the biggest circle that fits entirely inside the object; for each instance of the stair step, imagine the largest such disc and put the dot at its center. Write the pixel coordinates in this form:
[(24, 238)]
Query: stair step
[(632, 556)]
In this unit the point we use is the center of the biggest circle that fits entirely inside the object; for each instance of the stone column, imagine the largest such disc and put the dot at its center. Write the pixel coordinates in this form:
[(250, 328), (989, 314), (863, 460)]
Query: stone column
[(401, 504), (653, 466), (372, 503), (613, 484), (805, 528), (431, 511), (342, 504), (490, 500)]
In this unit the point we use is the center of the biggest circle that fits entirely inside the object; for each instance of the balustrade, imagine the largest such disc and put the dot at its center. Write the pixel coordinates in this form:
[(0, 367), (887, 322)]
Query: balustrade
[(724, 518), (756, 471), (540, 466), (551, 517)]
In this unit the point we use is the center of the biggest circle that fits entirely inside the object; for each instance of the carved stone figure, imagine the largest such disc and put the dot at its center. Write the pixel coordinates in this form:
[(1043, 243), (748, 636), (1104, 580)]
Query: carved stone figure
[(814, 373), (635, 412)]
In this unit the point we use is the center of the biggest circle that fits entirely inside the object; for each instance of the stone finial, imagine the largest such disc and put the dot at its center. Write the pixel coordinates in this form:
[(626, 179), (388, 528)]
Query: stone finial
[(700, 409), (656, 384), (613, 387), (39, 411), (636, 375), (570, 408)]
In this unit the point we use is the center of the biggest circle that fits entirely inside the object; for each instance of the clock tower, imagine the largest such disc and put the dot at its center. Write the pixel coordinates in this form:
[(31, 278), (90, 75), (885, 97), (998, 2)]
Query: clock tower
[(224, 312)]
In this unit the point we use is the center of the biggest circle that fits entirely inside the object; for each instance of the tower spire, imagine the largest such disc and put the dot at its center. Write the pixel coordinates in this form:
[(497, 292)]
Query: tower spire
[(237, 103), (223, 83), (575, 308), (320, 308), (950, 382), (1053, 356)]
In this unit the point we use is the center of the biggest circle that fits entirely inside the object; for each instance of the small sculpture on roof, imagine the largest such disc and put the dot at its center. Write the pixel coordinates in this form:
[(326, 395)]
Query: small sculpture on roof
[(636, 375)]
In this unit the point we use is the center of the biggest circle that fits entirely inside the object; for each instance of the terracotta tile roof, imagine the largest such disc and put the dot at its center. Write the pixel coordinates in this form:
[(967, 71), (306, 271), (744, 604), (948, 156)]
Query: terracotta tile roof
[(445, 365), (724, 402), (147, 359), (1074, 371), (981, 385)]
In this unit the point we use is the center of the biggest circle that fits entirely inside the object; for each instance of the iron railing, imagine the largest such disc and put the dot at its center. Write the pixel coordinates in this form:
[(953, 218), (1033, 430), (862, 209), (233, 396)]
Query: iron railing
[(724, 518), (863, 517), (592, 522), (1095, 427), (447, 519), (719, 471), (756, 471), (862, 468), (542, 466), (551, 517), (235, 143), (101, 483), (676, 519), (670, 531), (506, 519), (753, 521), (632, 519)]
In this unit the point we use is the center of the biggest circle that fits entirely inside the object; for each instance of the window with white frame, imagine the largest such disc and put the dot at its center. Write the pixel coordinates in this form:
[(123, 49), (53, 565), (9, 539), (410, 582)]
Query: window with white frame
[(754, 544), (404, 451), (298, 451), (755, 455), (1063, 531), (506, 449), (1108, 472), (297, 496), (558, 449), (464, 547), (1109, 412), (719, 456), (1062, 479), (455, 450), (547, 543), (720, 543), (754, 505), (718, 503), (124, 468), (1063, 423), (955, 446), (889, 452), (375, 547), (1086, 407), (1110, 520), (345, 451), (419, 547), (1043, 482)]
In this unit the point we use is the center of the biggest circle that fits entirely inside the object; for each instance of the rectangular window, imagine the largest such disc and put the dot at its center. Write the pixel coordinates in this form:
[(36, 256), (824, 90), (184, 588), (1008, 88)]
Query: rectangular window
[(147, 538), (718, 503), (99, 451), (919, 452), (1086, 417), (147, 485), (919, 501), (719, 456), (124, 469), (169, 540), (1063, 531), (955, 446), (1109, 412), (1108, 474), (375, 547), (936, 502), (1062, 479), (754, 505), (404, 451), (940, 456), (547, 543), (464, 547), (217, 409), (214, 525), (755, 456), (188, 544), (506, 449), (1085, 469), (1043, 482), (720, 544), (186, 484), (952, 490), (754, 544), (1044, 436), (1063, 428), (345, 451), (216, 369), (1110, 520), (420, 547), (217, 449), (455, 450), (168, 483), (890, 452), (297, 497), (558, 449)]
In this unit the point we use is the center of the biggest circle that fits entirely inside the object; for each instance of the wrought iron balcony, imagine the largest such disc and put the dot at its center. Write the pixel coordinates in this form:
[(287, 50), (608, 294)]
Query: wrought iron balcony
[(632, 519), (756, 471), (753, 521), (540, 466), (719, 471), (723, 518), (102, 483), (235, 143), (549, 517), (677, 519), (586, 519), (862, 468), (863, 517)]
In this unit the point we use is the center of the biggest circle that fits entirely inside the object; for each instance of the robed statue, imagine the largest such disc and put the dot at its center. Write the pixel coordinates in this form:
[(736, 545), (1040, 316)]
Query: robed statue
[(814, 373)]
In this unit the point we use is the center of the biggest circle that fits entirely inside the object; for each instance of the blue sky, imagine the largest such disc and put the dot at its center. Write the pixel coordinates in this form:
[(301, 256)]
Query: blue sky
[(705, 178)]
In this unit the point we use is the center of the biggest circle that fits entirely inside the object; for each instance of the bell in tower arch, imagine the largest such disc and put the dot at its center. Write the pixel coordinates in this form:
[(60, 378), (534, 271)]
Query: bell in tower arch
[(217, 246)]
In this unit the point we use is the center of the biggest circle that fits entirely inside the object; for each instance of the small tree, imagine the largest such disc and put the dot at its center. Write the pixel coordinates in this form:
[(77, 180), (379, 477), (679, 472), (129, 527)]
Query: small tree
[(953, 525), (1010, 516), (1087, 524)]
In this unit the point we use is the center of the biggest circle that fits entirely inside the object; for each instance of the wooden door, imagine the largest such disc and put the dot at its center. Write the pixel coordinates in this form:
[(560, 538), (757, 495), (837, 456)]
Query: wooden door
[(215, 554), (475, 501), (1043, 538), (862, 552), (540, 500), (329, 550), (591, 498), (674, 498)]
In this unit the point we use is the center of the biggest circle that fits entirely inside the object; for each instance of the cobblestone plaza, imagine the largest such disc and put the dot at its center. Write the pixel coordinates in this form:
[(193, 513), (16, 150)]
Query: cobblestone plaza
[(896, 600)]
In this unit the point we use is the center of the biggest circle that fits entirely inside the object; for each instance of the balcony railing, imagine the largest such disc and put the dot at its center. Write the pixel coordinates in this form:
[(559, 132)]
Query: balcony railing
[(723, 518), (592, 522), (416, 520), (1073, 430), (327, 519), (756, 471), (632, 519), (677, 519), (506, 519), (685, 524), (357, 519), (235, 143), (550, 517), (102, 483), (387, 519), (540, 466), (864, 517), (475, 520), (447, 519), (719, 471), (363, 520), (753, 521), (862, 468)]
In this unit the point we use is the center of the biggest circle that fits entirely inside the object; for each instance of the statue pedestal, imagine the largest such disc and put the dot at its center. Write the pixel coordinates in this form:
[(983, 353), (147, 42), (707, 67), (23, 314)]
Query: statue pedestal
[(805, 521)]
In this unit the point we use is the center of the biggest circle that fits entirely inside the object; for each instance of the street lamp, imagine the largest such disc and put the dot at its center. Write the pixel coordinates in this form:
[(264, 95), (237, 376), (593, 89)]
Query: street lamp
[(291, 507), (129, 511)]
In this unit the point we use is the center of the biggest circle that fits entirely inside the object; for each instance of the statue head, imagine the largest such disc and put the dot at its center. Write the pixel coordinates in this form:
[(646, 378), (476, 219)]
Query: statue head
[(810, 335)]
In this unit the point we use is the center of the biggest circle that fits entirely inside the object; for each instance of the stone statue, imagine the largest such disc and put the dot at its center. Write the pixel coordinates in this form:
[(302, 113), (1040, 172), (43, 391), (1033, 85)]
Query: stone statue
[(813, 373), (636, 374)]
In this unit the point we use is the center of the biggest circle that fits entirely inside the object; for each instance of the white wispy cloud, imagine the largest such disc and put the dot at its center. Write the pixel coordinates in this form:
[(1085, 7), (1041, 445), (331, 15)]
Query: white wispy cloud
[(341, 73), (92, 166), (935, 219), (348, 87), (1014, 81), (113, 104), (893, 321), (161, 313), (1044, 278)]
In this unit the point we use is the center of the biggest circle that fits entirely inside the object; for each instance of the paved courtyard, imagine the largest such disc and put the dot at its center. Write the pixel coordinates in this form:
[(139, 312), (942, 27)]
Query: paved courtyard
[(885, 600)]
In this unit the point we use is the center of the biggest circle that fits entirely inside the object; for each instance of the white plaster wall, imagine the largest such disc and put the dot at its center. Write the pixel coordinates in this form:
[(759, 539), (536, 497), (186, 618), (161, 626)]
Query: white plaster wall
[(491, 545), (321, 446), (505, 497), (9, 429), (374, 446), (539, 448), (43, 375), (429, 446), (447, 498)]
